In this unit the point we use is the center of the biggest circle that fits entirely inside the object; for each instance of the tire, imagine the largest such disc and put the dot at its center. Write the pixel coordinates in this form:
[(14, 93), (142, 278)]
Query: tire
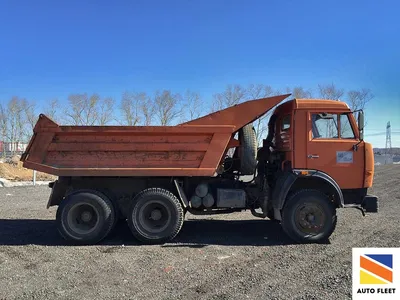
[(93, 206), (110, 196), (318, 206), (152, 208), (248, 150)]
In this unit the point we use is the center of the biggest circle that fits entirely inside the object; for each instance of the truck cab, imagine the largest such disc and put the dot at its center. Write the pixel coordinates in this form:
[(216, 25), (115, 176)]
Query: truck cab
[(323, 135), (316, 147)]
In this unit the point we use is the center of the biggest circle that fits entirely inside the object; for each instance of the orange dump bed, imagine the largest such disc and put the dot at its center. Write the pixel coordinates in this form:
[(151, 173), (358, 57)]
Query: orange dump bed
[(195, 148)]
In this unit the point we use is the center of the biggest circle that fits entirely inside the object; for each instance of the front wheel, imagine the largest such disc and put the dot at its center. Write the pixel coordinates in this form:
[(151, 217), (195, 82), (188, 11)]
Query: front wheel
[(309, 217), (156, 216)]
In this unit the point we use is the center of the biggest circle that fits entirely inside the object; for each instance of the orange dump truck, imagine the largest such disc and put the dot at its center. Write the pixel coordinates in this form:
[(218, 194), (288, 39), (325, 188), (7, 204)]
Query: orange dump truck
[(312, 161)]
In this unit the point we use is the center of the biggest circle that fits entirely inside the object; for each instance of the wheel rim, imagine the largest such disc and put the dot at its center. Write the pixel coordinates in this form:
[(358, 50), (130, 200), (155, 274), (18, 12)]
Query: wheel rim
[(154, 216), (83, 218), (310, 218)]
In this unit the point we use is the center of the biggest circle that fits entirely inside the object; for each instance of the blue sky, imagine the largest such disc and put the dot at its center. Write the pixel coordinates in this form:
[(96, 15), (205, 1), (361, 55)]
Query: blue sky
[(52, 48)]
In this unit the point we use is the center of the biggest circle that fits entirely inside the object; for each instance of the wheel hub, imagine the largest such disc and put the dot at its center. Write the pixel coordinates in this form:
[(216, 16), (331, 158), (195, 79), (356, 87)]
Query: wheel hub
[(83, 218), (86, 216), (156, 215), (310, 218)]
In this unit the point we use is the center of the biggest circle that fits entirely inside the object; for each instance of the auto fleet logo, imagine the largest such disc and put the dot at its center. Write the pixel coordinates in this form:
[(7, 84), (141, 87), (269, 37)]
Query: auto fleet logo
[(376, 273), (376, 268)]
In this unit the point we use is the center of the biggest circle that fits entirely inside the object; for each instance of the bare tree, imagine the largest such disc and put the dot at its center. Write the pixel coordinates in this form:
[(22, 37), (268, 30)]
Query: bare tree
[(89, 110), (167, 107), (358, 99), (16, 119), (193, 105), (299, 92), (51, 110), (6, 122), (3, 122), (131, 108), (148, 109), (105, 111), (29, 109), (256, 91), (330, 91), (79, 109), (233, 94)]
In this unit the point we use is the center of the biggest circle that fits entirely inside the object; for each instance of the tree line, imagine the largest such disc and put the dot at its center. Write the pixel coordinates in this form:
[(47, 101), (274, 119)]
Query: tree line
[(164, 107)]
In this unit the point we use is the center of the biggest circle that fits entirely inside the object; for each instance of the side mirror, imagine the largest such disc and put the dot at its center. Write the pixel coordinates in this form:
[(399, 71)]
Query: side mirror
[(361, 124)]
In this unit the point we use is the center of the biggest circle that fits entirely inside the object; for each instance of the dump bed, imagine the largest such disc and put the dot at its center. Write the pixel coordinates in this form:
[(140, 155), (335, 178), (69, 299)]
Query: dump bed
[(195, 148)]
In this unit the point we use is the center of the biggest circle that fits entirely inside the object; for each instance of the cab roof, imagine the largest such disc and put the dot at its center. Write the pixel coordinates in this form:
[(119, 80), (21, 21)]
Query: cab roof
[(319, 104), (311, 104)]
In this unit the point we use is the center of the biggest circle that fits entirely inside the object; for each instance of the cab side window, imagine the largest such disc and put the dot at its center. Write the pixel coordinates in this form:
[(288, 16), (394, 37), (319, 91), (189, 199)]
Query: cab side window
[(346, 131), (285, 122), (324, 126)]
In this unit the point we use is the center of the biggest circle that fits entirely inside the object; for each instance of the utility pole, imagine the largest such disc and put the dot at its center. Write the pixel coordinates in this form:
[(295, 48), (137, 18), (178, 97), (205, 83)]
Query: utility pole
[(388, 147)]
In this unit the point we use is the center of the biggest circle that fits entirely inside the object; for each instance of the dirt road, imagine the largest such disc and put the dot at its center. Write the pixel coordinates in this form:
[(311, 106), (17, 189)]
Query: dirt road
[(225, 257)]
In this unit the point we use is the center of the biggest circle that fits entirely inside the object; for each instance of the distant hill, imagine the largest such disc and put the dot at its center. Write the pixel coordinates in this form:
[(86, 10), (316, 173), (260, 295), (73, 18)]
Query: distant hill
[(383, 151)]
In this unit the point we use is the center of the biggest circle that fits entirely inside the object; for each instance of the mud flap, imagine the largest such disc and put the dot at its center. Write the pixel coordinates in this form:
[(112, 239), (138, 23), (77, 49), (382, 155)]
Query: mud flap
[(370, 204), (281, 189), (182, 196), (58, 190)]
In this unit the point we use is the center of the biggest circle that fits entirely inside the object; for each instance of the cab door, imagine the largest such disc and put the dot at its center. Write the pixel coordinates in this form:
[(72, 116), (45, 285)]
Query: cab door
[(331, 148)]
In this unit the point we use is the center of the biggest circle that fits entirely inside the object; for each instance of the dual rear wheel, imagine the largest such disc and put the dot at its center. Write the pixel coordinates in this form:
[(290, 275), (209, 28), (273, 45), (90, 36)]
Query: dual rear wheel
[(87, 216), (155, 216)]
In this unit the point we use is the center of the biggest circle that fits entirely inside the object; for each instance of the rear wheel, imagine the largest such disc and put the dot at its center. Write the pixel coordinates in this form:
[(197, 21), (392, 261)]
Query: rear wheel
[(309, 216), (156, 216), (85, 217)]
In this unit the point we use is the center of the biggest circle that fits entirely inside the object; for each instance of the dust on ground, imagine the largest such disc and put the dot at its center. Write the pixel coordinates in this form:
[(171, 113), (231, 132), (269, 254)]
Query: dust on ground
[(14, 171)]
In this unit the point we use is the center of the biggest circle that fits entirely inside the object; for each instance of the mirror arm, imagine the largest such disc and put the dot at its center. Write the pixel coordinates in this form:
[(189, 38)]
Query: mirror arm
[(355, 147)]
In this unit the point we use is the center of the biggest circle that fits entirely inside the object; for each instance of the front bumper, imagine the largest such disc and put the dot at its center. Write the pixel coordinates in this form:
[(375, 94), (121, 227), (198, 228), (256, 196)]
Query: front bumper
[(370, 204)]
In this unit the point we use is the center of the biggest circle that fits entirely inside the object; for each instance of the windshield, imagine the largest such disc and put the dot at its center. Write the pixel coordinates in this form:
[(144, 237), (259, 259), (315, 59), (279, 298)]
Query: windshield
[(324, 125), (328, 126)]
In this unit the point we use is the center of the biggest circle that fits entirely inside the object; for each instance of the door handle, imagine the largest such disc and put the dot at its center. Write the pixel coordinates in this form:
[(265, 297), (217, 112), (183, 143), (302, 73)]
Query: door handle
[(312, 156)]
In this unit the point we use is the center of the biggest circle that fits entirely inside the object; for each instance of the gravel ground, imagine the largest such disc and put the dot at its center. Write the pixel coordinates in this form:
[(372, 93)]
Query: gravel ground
[(225, 257)]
